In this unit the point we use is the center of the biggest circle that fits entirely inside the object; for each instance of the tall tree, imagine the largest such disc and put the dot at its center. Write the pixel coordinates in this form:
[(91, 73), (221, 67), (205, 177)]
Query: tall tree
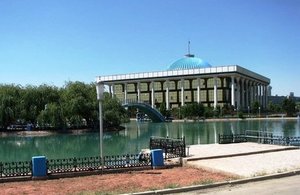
[(9, 104), (79, 101), (289, 106)]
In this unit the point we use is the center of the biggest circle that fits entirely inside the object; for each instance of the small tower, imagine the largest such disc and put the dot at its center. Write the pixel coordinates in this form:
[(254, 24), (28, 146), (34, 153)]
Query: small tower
[(189, 55)]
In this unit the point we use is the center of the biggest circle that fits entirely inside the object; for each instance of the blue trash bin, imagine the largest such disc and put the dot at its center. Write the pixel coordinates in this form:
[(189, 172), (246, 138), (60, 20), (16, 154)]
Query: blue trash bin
[(157, 158), (39, 166)]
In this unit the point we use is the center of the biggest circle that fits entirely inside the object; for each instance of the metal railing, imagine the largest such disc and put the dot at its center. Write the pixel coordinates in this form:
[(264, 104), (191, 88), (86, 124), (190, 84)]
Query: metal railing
[(15, 169), (236, 138), (21, 169), (172, 148), (264, 138), (94, 163)]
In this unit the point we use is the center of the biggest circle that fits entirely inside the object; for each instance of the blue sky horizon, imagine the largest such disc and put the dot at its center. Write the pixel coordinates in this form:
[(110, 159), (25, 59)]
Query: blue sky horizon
[(52, 42)]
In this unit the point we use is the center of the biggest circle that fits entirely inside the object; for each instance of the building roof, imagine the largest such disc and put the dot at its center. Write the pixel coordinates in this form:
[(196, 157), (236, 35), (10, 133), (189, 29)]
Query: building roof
[(189, 62), (229, 70)]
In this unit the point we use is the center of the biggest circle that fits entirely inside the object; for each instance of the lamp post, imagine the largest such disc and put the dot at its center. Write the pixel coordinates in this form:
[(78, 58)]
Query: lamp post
[(100, 91), (259, 111)]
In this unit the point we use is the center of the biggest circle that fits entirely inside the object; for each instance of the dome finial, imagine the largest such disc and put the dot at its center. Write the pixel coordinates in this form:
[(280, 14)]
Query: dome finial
[(189, 55)]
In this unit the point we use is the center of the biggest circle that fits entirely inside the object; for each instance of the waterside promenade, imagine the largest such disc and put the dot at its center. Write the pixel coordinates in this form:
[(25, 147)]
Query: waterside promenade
[(245, 159)]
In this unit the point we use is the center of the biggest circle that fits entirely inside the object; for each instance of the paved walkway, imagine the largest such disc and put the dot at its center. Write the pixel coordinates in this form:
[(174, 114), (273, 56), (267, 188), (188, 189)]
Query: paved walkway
[(285, 185), (245, 159)]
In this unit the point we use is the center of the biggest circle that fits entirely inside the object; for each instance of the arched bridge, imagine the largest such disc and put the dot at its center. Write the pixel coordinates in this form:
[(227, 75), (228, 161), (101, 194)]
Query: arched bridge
[(152, 113)]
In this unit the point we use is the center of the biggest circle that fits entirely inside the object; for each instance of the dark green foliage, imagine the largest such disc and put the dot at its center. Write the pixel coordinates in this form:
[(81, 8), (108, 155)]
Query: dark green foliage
[(193, 110), (289, 106), (274, 108), (175, 112), (241, 115), (114, 113), (208, 112), (163, 110), (255, 107), (73, 106)]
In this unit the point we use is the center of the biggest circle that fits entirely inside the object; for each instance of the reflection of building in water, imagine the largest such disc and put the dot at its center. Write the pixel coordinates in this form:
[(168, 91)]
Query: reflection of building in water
[(191, 79)]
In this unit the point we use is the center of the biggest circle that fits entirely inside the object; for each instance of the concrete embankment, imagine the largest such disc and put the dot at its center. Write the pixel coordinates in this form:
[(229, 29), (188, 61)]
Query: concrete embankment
[(245, 159)]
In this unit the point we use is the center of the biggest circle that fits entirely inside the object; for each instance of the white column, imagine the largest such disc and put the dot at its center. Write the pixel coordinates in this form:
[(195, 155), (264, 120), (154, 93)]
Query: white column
[(251, 92), (152, 95), (242, 93), (256, 93), (138, 92), (246, 93), (113, 90), (215, 92), (232, 91), (260, 95), (238, 93), (266, 95), (182, 92), (167, 95), (125, 92), (198, 90)]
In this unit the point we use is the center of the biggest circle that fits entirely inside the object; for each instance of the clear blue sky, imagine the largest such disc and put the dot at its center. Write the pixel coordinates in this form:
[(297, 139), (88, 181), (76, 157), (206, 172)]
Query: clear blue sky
[(53, 41)]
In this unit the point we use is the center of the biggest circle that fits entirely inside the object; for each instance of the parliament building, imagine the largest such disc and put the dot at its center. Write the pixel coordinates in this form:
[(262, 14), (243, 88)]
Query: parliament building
[(188, 80)]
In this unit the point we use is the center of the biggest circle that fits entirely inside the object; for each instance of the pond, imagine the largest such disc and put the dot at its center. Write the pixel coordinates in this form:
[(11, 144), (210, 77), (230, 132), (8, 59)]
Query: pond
[(134, 138)]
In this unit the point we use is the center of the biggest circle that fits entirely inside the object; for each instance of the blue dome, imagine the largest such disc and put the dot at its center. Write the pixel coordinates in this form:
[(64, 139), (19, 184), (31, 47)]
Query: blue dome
[(189, 62)]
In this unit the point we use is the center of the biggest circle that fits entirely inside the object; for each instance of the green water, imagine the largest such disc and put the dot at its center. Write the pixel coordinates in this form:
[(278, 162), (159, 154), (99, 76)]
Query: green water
[(133, 138)]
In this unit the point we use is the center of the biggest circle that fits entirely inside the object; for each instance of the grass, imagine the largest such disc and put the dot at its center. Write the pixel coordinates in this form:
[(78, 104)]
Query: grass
[(204, 182), (172, 185), (153, 188)]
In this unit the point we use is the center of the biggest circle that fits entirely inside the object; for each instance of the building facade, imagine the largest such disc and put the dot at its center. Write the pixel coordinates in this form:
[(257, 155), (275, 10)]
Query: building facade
[(189, 80)]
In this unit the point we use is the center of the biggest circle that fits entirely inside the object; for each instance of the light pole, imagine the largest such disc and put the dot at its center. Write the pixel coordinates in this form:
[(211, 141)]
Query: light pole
[(100, 91), (259, 111)]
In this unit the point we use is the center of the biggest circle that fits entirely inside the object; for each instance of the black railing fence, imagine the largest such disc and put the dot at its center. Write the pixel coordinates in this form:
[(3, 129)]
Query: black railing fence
[(18, 169), (15, 169), (172, 148), (259, 138), (94, 163), (73, 164), (236, 138), (280, 140)]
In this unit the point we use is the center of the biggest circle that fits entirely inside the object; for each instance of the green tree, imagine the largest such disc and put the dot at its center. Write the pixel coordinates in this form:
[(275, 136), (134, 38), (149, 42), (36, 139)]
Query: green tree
[(193, 110), (113, 112), (289, 106), (49, 106), (79, 103), (274, 108), (163, 110), (9, 105), (255, 107), (52, 117), (34, 100)]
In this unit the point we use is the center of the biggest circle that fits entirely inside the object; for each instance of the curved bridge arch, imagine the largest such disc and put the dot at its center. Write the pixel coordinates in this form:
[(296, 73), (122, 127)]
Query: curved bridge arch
[(153, 113)]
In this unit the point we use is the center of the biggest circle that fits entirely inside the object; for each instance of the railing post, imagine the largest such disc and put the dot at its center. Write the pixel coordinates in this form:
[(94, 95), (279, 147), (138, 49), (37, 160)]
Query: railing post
[(184, 146), (1, 169), (150, 143), (75, 164)]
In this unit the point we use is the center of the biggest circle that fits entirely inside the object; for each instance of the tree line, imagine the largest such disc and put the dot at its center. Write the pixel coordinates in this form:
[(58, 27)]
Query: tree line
[(49, 107)]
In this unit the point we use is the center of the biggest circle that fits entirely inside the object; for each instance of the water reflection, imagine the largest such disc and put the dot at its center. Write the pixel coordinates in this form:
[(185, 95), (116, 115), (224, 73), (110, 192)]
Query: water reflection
[(133, 138)]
